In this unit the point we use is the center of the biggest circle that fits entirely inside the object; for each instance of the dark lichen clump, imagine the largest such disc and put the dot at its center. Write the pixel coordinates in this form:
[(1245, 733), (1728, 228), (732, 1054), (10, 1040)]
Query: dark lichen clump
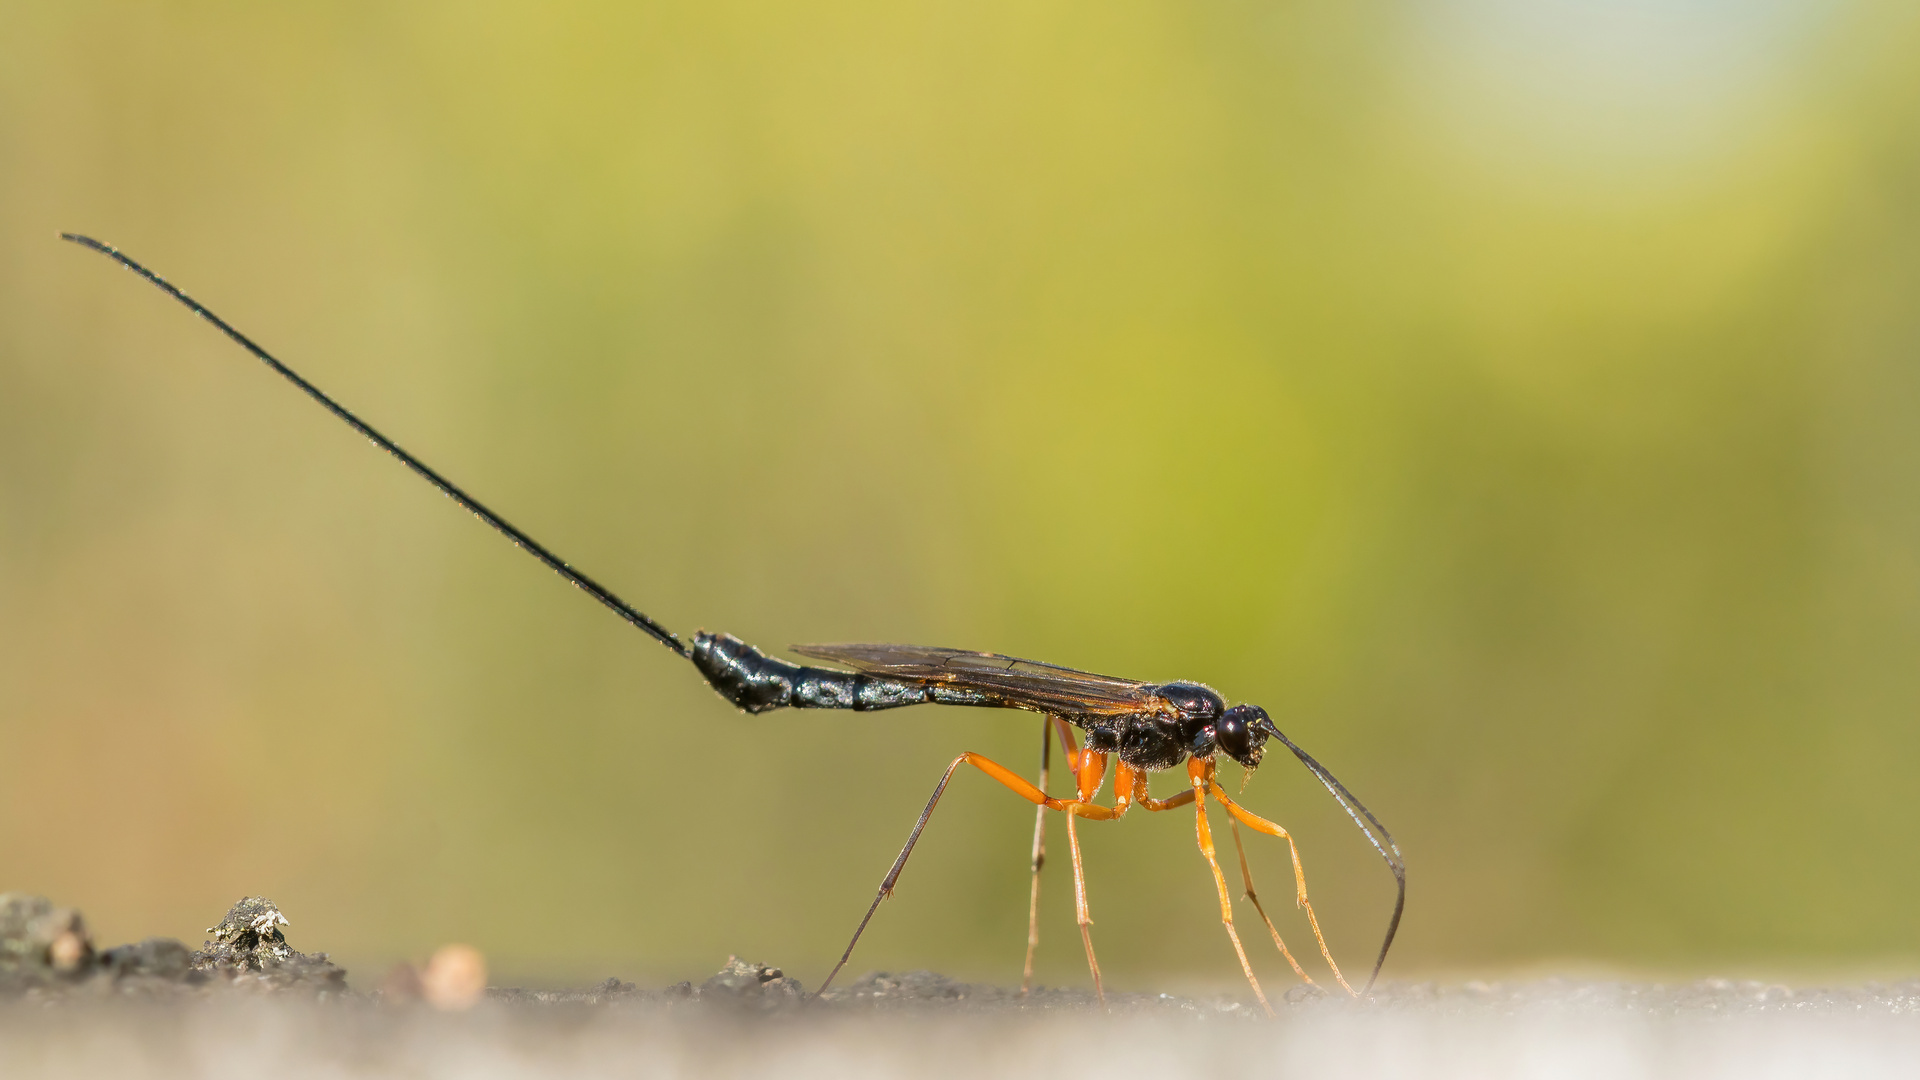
[(46, 949), (248, 947), (40, 944)]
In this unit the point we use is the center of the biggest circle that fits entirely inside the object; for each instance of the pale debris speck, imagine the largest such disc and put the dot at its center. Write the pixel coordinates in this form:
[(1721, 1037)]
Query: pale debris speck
[(455, 978)]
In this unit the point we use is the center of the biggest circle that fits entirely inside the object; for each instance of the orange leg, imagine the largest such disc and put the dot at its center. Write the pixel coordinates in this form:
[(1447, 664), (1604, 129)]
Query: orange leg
[(1246, 876), (1073, 807), (1131, 788), (1089, 771), (1200, 773), (1260, 824)]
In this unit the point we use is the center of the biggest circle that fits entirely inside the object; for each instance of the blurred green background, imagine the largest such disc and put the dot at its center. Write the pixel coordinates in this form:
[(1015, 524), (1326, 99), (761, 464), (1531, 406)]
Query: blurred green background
[(1521, 400)]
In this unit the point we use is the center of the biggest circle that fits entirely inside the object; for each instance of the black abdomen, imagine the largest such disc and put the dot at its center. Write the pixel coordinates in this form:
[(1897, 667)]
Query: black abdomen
[(759, 683)]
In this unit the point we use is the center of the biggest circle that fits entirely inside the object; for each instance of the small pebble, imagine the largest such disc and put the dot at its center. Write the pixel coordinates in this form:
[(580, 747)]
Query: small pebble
[(67, 951), (455, 978)]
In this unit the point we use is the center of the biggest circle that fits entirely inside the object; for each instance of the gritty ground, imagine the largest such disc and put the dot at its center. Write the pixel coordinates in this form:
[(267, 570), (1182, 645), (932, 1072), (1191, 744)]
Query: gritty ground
[(247, 1004)]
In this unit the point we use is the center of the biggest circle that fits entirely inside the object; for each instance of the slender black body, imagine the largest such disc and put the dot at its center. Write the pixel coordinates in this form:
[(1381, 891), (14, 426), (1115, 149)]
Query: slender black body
[(1150, 726)]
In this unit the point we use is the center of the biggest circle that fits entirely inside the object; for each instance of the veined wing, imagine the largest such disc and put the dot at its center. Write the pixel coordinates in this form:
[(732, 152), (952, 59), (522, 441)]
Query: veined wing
[(1025, 684)]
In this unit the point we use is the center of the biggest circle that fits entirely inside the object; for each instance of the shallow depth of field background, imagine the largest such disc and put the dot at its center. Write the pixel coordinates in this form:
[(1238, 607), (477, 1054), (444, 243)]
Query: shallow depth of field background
[(1521, 400)]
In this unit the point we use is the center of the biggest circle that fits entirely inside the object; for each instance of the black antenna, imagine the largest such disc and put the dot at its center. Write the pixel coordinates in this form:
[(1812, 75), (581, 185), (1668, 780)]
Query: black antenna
[(447, 487), (1390, 851)]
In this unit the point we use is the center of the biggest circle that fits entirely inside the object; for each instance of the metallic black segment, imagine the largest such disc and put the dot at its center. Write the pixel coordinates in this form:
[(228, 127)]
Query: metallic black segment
[(742, 674), (759, 683), (957, 695), (872, 693), (819, 689), (447, 487), (1388, 850)]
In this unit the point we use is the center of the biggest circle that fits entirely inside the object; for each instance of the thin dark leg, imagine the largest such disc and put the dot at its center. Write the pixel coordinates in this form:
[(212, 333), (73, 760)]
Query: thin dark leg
[(1080, 912), (1200, 774), (1246, 876), (1006, 777), (1039, 857), (893, 875), (1260, 824)]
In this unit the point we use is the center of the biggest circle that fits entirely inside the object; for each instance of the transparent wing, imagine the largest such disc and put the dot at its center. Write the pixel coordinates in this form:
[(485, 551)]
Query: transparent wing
[(1018, 683)]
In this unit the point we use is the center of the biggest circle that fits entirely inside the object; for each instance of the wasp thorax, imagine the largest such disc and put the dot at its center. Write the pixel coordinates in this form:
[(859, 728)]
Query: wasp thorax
[(1192, 701)]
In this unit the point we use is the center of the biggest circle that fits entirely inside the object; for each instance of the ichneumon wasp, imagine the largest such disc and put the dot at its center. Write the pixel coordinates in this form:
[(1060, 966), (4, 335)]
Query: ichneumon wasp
[(1147, 727)]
